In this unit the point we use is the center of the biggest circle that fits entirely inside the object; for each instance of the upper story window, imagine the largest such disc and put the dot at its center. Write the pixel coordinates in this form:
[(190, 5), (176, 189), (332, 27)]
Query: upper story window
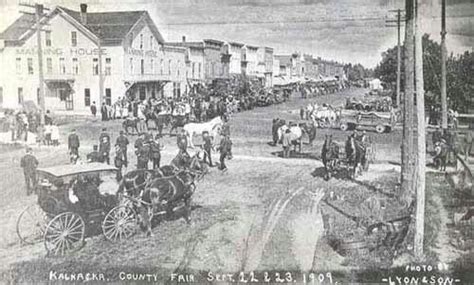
[(62, 65), (141, 41), (169, 66), (49, 65), (75, 66), (74, 39), (18, 65), (47, 36), (177, 69), (30, 66), (142, 66), (131, 40), (161, 66), (131, 65), (152, 66), (199, 70), (95, 66), (108, 66), (151, 42)]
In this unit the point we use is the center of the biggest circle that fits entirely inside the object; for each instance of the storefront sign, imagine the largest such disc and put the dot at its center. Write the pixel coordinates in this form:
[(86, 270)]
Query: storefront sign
[(73, 52), (142, 53)]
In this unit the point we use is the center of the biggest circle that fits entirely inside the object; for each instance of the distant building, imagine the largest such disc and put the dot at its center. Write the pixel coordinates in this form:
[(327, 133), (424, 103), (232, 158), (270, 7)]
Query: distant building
[(121, 52), (234, 51), (265, 65), (216, 60)]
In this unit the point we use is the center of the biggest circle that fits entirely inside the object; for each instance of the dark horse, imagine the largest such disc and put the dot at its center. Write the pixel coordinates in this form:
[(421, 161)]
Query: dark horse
[(130, 123), (164, 194), (177, 121), (330, 156), (356, 155)]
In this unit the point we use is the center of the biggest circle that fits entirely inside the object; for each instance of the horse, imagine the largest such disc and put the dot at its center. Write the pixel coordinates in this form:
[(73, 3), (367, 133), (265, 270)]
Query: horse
[(324, 116), (295, 134), (212, 127), (330, 156), (356, 155), (130, 123), (165, 194), (177, 121), (134, 181), (194, 163)]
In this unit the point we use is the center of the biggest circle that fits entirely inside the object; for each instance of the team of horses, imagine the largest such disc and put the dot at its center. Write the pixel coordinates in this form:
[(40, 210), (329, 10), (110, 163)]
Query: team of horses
[(163, 189)]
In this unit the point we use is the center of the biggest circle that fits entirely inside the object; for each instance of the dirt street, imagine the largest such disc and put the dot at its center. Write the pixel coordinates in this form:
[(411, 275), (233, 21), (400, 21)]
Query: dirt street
[(252, 217)]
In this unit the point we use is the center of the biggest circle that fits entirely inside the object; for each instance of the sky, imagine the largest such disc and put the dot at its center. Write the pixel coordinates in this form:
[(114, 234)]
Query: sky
[(349, 31)]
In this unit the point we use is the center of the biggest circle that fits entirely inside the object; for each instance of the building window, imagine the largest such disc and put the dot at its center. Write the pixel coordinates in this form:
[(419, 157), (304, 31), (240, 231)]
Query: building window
[(49, 65), (141, 41), (161, 66), (151, 42), (18, 65), (47, 36), (178, 66), (30, 66), (108, 66), (131, 65), (87, 97), (199, 70), (75, 66), (95, 66), (152, 66), (108, 96), (142, 66), (142, 93), (193, 69), (169, 66), (20, 95), (74, 39), (62, 66)]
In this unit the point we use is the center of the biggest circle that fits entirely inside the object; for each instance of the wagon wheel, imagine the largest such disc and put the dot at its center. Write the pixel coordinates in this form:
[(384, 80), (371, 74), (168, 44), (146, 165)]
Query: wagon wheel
[(64, 233), (31, 224), (119, 224)]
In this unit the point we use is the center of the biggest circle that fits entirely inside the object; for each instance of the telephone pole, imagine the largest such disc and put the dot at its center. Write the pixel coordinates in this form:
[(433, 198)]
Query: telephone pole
[(39, 9), (444, 103), (421, 138), (408, 105), (399, 60)]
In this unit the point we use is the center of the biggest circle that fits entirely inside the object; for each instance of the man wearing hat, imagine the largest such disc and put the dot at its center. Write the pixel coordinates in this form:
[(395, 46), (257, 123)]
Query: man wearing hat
[(207, 147), (122, 142), (143, 154), (182, 142), (104, 146), (155, 151), (73, 143), (225, 149), (29, 163)]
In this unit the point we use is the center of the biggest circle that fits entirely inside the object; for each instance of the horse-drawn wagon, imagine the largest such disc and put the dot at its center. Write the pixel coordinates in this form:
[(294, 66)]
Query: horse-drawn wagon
[(381, 121), (75, 202)]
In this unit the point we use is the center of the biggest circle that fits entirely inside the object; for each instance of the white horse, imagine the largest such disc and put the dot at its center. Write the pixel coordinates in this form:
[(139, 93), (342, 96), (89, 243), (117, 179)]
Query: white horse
[(212, 127), (296, 133)]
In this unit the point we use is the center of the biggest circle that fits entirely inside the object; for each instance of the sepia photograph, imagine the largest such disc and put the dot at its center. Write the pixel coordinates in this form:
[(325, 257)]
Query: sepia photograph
[(237, 142)]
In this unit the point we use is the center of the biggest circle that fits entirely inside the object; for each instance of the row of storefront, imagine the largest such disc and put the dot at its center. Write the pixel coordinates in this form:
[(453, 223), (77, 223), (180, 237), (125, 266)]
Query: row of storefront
[(101, 57)]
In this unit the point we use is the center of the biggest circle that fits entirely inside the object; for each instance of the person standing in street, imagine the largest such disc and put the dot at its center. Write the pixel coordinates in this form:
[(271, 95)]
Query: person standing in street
[(225, 149), (143, 155), (119, 161), (93, 109), (207, 147), (104, 111), (122, 142), (29, 163), (104, 146), (182, 142), (155, 151), (73, 144), (286, 142)]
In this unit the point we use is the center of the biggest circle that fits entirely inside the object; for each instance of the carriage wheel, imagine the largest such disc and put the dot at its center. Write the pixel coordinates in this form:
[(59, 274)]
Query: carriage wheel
[(64, 233), (119, 224), (380, 129), (31, 224)]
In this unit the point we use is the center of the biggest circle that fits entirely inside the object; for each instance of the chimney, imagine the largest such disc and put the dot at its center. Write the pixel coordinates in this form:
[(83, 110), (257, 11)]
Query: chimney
[(184, 39), (84, 14)]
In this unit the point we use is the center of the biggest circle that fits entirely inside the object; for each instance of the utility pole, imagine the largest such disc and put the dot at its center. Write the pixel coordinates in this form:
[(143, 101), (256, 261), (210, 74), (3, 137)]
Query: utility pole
[(444, 103), (399, 60), (408, 105), (421, 137), (39, 9)]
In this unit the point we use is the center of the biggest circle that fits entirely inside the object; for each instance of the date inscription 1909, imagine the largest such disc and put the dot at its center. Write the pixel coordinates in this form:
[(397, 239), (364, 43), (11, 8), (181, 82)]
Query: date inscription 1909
[(271, 277)]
